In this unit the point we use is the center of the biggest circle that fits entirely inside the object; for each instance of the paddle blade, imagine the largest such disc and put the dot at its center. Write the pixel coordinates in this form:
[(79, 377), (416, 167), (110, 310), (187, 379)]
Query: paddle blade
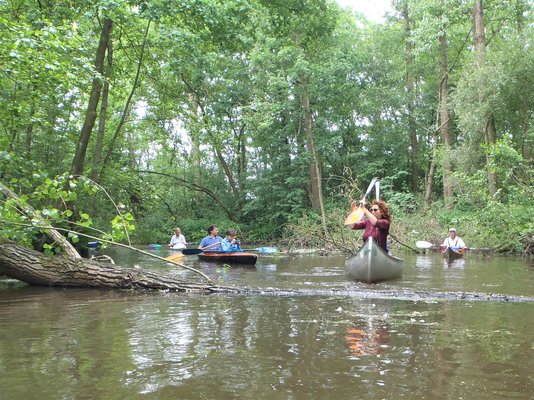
[(154, 246), (267, 250), (190, 252), (175, 257), (354, 216), (423, 245)]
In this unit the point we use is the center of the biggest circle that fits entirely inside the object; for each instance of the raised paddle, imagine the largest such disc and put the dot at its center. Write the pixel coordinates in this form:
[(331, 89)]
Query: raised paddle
[(190, 252), (357, 214)]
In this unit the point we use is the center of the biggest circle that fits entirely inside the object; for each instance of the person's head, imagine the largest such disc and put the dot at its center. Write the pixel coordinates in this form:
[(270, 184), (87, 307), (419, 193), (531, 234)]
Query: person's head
[(178, 231), (213, 230), (452, 233), (380, 210), (230, 233)]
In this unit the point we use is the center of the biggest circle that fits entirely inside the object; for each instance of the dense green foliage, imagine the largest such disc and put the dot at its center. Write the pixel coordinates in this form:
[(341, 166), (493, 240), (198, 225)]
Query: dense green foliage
[(211, 108)]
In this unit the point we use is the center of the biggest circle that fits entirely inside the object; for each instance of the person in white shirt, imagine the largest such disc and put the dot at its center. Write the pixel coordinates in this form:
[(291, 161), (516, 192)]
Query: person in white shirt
[(453, 241), (178, 240)]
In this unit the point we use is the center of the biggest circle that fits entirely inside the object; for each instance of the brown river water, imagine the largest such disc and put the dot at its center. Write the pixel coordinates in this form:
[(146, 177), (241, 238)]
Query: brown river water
[(329, 341)]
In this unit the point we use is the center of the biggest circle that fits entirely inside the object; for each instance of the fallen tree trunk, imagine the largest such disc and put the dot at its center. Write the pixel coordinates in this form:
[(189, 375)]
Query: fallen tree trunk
[(35, 268)]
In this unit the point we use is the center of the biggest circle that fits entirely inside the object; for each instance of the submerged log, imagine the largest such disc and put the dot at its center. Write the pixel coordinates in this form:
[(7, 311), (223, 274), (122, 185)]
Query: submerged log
[(35, 268)]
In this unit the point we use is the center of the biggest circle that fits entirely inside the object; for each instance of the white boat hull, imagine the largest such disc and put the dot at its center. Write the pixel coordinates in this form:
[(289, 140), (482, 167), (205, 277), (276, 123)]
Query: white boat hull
[(372, 264)]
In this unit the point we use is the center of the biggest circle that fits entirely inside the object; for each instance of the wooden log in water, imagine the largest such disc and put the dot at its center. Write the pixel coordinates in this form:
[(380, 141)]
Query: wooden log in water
[(35, 268)]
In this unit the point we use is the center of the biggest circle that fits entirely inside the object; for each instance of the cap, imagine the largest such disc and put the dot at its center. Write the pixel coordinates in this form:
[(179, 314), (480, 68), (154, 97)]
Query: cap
[(452, 230)]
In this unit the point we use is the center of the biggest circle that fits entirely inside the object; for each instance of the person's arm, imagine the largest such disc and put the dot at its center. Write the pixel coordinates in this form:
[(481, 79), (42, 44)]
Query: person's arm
[(381, 223), (173, 241), (357, 225), (370, 216), (217, 245)]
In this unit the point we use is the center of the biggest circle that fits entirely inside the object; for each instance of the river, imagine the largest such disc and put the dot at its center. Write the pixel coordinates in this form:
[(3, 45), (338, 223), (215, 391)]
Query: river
[(331, 343)]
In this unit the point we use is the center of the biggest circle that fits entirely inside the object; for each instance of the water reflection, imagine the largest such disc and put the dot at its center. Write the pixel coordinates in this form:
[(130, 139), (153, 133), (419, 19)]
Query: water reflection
[(267, 272), (367, 340), (368, 333), (458, 263), (269, 268), (424, 261)]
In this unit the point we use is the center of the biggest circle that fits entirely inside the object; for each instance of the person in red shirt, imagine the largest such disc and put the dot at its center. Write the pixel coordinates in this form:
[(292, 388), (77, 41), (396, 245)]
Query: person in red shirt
[(376, 222)]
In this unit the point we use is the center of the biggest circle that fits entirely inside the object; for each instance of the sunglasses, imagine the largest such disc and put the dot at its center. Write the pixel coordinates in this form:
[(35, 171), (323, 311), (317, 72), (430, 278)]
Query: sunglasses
[(375, 209)]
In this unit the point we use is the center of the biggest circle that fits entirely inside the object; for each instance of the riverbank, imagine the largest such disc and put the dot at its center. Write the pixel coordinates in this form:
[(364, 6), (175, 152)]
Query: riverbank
[(487, 229)]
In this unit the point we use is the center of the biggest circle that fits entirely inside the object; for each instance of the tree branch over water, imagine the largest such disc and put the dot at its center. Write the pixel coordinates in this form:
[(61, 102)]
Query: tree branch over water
[(196, 187)]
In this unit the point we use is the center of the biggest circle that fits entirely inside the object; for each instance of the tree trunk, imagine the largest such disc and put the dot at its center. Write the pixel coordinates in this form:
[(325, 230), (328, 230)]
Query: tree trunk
[(444, 120), (126, 109), (314, 167), (429, 179), (90, 115), (489, 122), (30, 127), (194, 133), (216, 143), (242, 158), (95, 173), (228, 173), (410, 89), (35, 268)]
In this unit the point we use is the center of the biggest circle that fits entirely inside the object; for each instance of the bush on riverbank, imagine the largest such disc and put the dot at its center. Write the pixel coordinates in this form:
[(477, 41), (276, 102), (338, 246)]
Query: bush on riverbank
[(500, 227)]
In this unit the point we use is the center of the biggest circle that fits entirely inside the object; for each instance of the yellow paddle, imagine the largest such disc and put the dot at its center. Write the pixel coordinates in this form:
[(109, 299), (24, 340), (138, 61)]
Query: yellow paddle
[(357, 214), (175, 257)]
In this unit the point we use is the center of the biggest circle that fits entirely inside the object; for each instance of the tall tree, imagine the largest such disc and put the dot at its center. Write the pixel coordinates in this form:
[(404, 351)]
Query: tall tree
[(316, 187), (444, 126), (102, 120), (92, 105), (410, 98), (128, 104), (488, 122)]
